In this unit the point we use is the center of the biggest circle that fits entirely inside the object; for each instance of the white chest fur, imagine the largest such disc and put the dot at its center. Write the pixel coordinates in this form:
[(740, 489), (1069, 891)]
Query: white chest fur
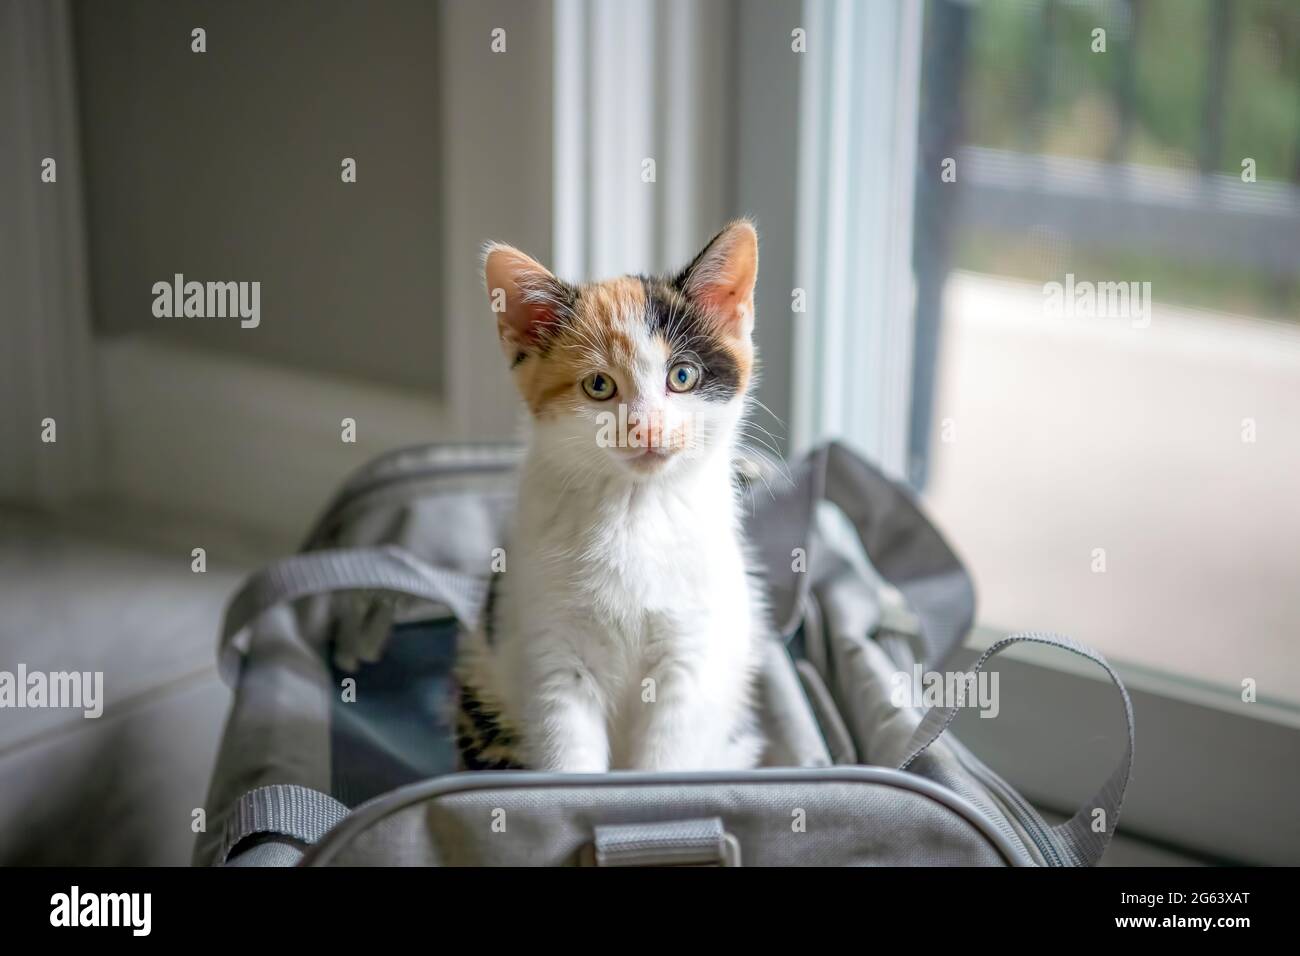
[(627, 630)]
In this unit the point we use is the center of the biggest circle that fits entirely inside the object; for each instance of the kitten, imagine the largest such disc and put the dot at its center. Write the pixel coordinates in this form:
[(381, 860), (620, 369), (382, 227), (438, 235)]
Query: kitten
[(625, 632)]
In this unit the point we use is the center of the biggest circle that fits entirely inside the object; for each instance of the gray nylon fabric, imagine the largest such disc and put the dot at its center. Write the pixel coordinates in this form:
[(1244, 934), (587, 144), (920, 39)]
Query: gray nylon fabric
[(861, 684), (900, 542), (1083, 845), (278, 731), (268, 853), (418, 527), (804, 823), (480, 470), (387, 568), (786, 716), (952, 765), (838, 739)]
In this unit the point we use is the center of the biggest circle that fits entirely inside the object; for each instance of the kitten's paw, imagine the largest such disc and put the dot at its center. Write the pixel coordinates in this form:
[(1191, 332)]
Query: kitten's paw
[(580, 766), (573, 761), (666, 757)]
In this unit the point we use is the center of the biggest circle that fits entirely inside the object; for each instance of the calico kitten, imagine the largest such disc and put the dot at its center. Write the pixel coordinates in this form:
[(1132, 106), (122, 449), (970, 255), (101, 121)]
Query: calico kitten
[(625, 632)]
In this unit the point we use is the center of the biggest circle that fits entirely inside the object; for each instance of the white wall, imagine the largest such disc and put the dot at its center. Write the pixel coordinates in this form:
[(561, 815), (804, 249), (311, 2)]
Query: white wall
[(246, 438), (225, 165), (497, 181), (46, 354)]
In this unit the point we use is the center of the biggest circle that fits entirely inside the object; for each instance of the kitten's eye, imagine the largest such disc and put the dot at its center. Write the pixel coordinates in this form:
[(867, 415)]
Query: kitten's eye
[(683, 377), (599, 386)]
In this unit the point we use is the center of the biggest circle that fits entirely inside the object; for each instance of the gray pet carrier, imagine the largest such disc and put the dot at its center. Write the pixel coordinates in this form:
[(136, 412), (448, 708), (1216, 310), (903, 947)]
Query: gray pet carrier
[(340, 747)]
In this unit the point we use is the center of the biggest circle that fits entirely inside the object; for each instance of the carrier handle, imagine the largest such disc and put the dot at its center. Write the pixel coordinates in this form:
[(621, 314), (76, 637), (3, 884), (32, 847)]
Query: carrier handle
[(667, 843), (388, 568), (1080, 843)]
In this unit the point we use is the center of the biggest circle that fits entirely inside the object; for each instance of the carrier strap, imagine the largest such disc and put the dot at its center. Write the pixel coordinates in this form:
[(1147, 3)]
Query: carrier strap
[(387, 569), (1084, 837)]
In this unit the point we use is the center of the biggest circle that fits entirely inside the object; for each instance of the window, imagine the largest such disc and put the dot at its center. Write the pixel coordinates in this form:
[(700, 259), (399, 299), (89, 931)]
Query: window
[(1108, 348), (1092, 383)]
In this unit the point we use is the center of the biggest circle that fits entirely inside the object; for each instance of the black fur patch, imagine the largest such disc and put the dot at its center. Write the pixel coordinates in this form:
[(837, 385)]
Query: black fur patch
[(483, 740), (688, 329)]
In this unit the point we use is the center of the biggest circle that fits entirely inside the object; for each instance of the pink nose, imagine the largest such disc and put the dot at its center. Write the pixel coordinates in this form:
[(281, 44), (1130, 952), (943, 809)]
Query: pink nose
[(644, 430)]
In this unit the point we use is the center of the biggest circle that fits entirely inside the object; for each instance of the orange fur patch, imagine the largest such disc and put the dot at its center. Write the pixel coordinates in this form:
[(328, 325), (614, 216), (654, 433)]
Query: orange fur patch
[(607, 323), (599, 337)]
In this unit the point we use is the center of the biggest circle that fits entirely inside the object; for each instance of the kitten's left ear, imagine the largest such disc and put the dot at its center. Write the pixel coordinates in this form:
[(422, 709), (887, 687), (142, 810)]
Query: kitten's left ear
[(721, 278)]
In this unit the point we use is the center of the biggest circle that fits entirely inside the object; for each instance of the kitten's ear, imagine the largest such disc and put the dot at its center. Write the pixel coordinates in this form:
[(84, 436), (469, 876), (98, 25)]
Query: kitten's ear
[(722, 276), (527, 299)]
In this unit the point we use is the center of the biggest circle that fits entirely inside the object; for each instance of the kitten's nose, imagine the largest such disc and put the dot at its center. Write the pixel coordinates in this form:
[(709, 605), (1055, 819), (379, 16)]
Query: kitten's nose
[(645, 428)]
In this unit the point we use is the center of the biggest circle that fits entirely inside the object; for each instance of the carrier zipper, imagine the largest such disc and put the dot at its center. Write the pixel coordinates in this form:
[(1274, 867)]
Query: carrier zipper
[(1025, 815), (898, 646)]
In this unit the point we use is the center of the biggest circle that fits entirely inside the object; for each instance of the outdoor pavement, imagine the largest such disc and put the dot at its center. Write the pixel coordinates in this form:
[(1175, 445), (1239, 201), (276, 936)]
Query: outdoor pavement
[(1071, 435)]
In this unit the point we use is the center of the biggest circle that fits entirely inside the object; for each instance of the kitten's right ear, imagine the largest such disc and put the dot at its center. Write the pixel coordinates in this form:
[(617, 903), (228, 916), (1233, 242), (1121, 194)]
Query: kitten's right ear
[(527, 299)]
